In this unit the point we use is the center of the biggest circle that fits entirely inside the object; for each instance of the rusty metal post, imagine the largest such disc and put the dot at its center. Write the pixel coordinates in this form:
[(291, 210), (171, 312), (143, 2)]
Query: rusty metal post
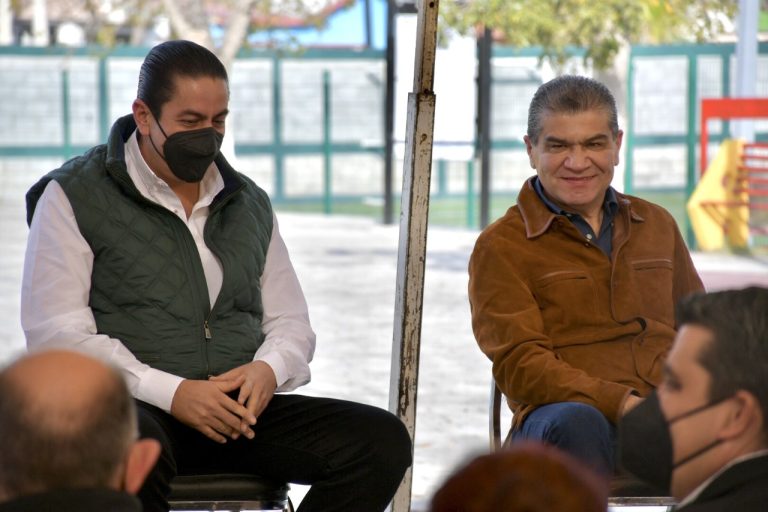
[(412, 248)]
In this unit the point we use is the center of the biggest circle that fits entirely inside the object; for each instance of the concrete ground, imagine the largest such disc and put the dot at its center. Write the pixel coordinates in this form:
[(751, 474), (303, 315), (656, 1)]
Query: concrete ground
[(347, 268)]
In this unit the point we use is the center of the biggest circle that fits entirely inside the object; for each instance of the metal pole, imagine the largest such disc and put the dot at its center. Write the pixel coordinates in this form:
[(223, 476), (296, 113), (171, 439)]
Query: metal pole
[(691, 174), (726, 88), (471, 219), (629, 131), (65, 113), (103, 100), (746, 63), (412, 248), (389, 114), (367, 22), (442, 178), (277, 128), (327, 174), (484, 124)]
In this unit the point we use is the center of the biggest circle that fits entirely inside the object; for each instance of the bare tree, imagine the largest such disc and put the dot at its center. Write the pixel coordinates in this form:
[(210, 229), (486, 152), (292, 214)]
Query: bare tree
[(189, 19)]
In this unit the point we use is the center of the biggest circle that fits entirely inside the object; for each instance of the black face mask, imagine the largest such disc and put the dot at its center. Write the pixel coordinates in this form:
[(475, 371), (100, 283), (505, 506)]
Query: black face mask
[(645, 443), (190, 153)]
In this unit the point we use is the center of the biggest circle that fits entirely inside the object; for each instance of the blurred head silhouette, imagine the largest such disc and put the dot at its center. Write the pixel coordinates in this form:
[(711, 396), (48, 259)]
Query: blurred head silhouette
[(67, 421), (527, 477)]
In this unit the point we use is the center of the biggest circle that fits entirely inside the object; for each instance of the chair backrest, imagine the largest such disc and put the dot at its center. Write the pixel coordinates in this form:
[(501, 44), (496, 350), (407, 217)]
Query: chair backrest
[(494, 423), (625, 492), (229, 491)]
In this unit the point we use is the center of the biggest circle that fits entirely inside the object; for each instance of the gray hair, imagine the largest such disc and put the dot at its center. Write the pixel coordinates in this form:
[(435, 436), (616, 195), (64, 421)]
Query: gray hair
[(570, 94)]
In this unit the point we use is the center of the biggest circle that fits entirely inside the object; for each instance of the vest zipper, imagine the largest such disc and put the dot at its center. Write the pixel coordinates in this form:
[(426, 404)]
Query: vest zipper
[(208, 338)]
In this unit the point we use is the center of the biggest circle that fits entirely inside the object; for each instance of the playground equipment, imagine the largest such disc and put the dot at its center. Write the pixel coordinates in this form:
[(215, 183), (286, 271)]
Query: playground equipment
[(729, 208)]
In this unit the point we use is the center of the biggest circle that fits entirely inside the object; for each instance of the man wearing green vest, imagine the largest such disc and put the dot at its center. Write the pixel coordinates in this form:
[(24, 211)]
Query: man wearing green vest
[(152, 253)]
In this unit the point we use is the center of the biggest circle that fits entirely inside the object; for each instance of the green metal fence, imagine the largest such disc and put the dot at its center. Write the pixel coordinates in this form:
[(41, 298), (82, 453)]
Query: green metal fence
[(309, 126)]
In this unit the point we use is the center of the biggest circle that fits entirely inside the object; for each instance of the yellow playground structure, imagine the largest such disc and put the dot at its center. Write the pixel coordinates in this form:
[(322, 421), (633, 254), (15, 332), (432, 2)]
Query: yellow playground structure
[(729, 207)]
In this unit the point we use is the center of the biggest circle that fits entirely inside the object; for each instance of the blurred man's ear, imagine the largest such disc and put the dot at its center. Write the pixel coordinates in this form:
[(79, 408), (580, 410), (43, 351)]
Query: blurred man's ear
[(140, 460), (619, 138), (744, 418)]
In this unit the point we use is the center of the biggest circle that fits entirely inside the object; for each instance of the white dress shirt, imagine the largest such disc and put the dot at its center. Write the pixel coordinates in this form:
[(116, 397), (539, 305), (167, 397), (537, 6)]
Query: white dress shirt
[(57, 280)]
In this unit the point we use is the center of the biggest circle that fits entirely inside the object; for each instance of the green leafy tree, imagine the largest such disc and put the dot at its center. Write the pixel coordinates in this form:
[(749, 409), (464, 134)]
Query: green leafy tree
[(601, 27)]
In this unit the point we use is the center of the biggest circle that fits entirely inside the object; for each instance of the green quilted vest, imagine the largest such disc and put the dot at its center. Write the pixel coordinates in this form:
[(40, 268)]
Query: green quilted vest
[(148, 288)]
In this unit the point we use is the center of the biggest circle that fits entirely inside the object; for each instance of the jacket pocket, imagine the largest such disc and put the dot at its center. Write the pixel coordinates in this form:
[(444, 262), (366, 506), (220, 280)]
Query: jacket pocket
[(652, 284), (652, 264), (566, 298)]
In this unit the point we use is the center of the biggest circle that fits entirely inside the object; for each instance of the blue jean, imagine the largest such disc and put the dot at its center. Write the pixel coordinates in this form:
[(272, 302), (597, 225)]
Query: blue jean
[(578, 429)]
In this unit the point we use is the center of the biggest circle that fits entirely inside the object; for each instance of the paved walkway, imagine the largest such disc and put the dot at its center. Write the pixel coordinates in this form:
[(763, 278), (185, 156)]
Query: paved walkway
[(347, 268)]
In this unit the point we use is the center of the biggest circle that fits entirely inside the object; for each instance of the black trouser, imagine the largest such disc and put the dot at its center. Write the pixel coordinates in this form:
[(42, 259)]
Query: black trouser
[(353, 455)]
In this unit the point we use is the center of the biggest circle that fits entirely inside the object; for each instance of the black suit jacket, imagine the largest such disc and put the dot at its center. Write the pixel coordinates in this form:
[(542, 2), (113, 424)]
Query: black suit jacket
[(741, 488), (71, 500)]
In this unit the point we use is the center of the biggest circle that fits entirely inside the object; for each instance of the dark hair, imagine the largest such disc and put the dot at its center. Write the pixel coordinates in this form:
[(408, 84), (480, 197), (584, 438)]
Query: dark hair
[(43, 448), (737, 358), (527, 477), (169, 60), (570, 94)]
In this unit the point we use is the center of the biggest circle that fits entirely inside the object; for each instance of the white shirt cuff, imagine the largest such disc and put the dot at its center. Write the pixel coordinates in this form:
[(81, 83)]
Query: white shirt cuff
[(275, 361), (157, 388)]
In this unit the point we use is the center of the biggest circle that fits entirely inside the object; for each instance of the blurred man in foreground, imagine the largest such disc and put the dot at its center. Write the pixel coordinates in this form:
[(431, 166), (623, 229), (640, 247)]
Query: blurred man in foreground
[(68, 437), (528, 477), (703, 436)]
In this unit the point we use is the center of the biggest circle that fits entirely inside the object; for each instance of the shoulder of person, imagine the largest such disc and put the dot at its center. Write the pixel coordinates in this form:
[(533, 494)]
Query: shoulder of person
[(254, 190), (507, 226), (648, 211)]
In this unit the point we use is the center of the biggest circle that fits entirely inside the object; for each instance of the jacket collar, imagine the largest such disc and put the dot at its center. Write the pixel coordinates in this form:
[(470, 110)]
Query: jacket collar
[(750, 469), (538, 218)]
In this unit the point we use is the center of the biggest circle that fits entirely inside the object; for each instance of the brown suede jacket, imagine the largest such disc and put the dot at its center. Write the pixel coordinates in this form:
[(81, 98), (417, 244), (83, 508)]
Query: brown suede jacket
[(562, 322)]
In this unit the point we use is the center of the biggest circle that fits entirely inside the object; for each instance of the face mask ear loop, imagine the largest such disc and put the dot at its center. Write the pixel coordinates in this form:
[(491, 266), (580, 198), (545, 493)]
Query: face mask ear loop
[(697, 410), (153, 142), (696, 453), (705, 448)]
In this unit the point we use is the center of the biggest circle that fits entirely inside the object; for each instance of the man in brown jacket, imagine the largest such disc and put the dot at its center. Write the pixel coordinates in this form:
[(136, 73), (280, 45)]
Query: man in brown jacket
[(573, 290)]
